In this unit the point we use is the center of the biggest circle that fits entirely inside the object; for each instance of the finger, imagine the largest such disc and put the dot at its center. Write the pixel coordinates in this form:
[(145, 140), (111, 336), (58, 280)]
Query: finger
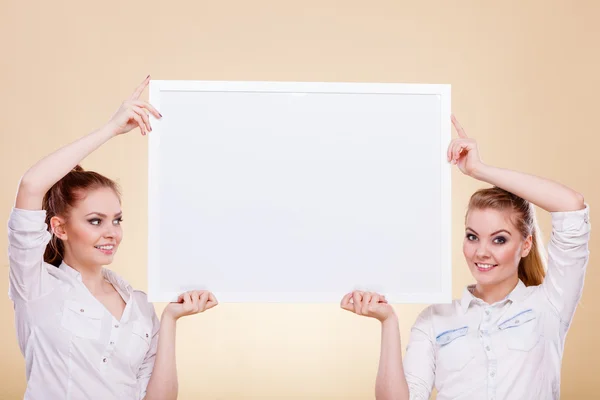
[(188, 303), (212, 301), (139, 121), (462, 149), (180, 298), (202, 301), (357, 298), (195, 295), (457, 150), (456, 145), (138, 91), (452, 147), (365, 305), (449, 150), (140, 111), (147, 106), (375, 299), (458, 127), (346, 304)]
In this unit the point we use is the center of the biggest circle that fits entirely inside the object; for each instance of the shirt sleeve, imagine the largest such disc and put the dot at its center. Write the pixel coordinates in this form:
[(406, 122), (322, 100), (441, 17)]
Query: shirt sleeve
[(568, 256), (145, 371), (419, 361), (27, 239)]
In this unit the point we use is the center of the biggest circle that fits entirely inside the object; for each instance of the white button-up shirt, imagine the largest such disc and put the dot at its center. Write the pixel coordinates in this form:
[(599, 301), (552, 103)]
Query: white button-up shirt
[(74, 348), (511, 349)]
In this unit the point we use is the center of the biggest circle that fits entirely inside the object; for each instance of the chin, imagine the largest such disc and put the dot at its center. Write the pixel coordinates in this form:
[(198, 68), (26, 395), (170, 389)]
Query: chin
[(105, 260), (108, 260), (485, 278)]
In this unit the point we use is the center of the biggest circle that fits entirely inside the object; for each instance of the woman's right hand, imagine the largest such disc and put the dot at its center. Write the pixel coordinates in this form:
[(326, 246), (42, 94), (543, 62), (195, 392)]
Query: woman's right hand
[(464, 152), (189, 303), (368, 304), (133, 113)]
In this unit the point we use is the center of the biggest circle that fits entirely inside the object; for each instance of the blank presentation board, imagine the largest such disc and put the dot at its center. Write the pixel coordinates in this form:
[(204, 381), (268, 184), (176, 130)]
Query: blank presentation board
[(299, 192)]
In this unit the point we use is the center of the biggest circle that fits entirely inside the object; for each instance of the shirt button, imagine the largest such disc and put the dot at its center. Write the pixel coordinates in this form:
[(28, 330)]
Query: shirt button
[(146, 335), (112, 343), (487, 348), (487, 312), (82, 310), (492, 374), (116, 326), (104, 360), (517, 321)]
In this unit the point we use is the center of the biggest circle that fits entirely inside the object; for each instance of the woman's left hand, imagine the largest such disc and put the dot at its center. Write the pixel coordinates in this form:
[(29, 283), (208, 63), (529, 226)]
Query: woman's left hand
[(463, 151), (190, 303)]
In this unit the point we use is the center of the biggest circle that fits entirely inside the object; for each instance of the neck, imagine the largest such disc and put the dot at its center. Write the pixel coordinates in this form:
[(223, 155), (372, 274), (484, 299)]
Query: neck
[(495, 292), (91, 275)]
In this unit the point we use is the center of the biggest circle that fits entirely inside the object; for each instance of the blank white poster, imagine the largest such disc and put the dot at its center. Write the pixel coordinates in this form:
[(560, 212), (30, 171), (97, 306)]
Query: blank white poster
[(299, 192)]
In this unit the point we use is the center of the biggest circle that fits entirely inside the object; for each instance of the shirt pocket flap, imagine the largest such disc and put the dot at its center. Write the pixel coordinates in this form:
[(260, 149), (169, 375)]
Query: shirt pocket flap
[(81, 319), (142, 329), (518, 319), (447, 337), (83, 309)]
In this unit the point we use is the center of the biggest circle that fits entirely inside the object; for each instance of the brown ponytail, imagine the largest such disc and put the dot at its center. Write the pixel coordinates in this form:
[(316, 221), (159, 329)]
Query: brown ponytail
[(62, 196), (532, 268)]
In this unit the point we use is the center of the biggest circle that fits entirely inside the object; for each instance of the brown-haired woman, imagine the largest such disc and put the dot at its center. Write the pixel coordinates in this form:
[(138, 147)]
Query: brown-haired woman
[(84, 332), (504, 338)]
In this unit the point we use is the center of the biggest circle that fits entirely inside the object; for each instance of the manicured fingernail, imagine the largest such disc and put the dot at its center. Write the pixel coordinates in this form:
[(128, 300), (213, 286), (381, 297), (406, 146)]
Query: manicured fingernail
[(148, 77), (160, 114)]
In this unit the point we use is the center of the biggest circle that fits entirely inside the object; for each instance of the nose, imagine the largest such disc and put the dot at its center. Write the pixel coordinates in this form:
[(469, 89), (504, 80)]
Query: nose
[(111, 232), (482, 251)]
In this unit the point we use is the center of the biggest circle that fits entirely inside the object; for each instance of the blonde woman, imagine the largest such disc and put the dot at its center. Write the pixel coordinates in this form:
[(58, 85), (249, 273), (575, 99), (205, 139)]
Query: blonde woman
[(504, 338)]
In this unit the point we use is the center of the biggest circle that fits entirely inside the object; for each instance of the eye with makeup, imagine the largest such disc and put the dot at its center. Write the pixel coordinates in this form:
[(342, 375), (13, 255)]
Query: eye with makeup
[(95, 221), (98, 221), (500, 240), (497, 240)]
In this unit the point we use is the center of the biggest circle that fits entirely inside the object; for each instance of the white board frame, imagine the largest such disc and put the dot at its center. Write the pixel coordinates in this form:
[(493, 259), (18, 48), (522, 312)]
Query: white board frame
[(158, 86)]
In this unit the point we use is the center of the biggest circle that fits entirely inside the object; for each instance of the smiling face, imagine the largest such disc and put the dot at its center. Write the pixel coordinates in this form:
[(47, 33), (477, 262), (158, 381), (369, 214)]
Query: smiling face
[(91, 233), (493, 246)]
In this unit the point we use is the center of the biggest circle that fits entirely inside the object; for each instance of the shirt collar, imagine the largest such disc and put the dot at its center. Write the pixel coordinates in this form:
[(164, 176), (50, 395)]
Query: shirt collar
[(119, 283), (516, 295), (72, 273)]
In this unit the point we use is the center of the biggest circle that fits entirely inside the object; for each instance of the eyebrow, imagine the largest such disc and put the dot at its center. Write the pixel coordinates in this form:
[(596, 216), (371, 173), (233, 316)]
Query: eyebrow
[(494, 233), (119, 214)]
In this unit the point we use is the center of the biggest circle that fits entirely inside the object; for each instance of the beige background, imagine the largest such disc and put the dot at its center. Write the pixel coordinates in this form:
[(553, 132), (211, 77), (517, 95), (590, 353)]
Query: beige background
[(525, 83)]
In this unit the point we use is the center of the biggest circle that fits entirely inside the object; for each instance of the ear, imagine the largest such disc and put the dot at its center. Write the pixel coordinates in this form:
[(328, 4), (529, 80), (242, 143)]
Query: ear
[(58, 227), (527, 245)]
